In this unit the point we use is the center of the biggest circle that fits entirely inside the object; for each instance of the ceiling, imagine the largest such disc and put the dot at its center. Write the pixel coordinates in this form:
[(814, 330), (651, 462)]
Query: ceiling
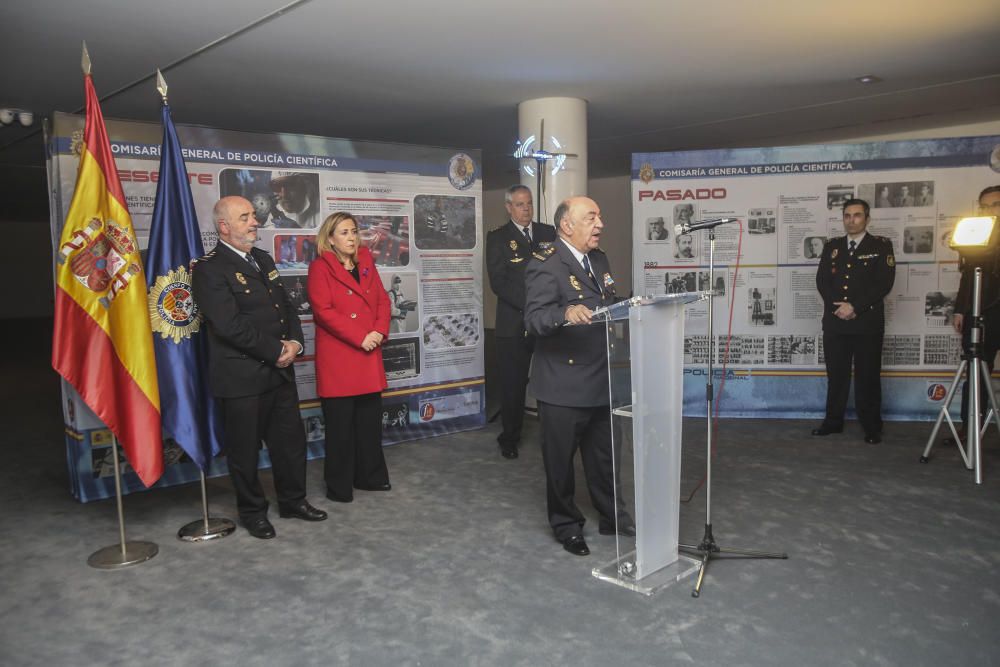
[(657, 75)]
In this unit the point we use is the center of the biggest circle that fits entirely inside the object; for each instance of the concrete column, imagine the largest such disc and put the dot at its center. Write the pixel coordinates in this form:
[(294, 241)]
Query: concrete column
[(566, 122)]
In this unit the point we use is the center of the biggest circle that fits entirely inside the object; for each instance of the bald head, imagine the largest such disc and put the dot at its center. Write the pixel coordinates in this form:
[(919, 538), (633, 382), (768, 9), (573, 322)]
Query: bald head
[(237, 224), (580, 223)]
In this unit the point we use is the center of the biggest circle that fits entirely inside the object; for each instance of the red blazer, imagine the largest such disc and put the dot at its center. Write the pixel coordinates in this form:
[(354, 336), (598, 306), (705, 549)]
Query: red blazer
[(345, 313)]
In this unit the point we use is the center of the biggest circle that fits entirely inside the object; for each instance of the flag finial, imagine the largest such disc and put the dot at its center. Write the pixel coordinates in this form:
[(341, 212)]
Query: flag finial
[(85, 61), (161, 85)]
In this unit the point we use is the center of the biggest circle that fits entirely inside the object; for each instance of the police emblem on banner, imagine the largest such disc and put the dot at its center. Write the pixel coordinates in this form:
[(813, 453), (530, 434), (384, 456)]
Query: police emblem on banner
[(646, 172), (461, 171), (172, 310)]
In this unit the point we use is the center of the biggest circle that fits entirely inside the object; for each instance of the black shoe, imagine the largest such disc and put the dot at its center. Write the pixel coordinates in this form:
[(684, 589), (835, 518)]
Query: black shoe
[(873, 438), (377, 487), (623, 530), (827, 430), (576, 545), (302, 510), (338, 499), (260, 528), (508, 452)]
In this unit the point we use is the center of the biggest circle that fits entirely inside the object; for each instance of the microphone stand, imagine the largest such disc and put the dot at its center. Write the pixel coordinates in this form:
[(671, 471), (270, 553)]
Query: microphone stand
[(708, 549)]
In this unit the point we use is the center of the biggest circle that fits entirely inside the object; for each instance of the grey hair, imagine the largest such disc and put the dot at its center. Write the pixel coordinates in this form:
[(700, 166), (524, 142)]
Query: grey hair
[(509, 194)]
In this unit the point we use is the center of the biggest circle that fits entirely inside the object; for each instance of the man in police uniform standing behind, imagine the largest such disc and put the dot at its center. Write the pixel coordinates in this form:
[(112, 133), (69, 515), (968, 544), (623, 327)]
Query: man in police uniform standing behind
[(565, 282), (856, 273), (254, 336), (508, 249)]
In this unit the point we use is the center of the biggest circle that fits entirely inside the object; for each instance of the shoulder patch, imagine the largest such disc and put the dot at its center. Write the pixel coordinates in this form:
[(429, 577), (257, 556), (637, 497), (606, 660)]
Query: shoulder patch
[(204, 258), (543, 253)]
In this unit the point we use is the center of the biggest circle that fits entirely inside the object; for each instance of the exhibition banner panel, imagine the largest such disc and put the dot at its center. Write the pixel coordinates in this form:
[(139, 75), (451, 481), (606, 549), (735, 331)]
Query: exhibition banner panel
[(789, 201), (419, 210)]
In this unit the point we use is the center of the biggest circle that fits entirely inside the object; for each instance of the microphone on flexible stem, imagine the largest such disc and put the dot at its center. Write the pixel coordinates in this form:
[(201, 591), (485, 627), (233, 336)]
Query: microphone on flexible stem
[(688, 227)]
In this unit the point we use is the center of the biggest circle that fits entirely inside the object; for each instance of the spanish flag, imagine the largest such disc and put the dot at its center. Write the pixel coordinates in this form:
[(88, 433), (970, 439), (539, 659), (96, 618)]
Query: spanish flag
[(102, 343)]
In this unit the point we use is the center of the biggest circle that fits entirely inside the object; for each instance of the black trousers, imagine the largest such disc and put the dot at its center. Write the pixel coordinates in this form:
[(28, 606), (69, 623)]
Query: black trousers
[(274, 418), (863, 352), (514, 359), (564, 430), (354, 457), (991, 345)]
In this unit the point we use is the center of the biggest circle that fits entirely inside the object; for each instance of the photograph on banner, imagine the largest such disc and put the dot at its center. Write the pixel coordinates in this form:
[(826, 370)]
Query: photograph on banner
[(791, 350), (443, 331), (402, 290), (293, 252), (387, 237), (298, 294), (395, 414), (656, 230), (401, 359), (444, 222), (281, 199)]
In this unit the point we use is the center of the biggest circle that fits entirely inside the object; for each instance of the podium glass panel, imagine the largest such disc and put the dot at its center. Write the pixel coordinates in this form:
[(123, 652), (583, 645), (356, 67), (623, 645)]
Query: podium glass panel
[(645, 361)]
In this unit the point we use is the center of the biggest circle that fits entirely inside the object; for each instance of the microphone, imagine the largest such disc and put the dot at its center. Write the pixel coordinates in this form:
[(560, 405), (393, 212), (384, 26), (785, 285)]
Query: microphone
[(688, 227)]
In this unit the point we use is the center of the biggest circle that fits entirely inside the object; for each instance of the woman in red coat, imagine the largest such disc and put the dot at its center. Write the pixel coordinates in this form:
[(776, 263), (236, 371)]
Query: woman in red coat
[(351, 311)]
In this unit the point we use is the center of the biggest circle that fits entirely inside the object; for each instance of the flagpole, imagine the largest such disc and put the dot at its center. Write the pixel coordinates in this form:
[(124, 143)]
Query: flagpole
[(124, 553), (206, 528)]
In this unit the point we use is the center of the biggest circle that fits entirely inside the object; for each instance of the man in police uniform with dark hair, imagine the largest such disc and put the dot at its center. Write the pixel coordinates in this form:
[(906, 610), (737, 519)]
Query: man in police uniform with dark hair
[(254, 336), (566, 281), (989, 205), (508, 249), (855, 274)]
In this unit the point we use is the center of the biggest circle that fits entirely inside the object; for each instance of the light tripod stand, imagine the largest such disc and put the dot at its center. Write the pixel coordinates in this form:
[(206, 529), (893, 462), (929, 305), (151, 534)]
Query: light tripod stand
[(708, 550), (978, 375)]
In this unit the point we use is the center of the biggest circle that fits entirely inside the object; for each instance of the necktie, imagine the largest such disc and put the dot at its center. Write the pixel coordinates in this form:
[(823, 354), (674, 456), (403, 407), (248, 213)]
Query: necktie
[(527, 234), (851, 246), (253, 262), (593, 279)]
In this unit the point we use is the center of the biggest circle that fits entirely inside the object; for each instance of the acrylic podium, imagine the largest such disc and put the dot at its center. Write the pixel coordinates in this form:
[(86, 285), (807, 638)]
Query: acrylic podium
[(645, 338)]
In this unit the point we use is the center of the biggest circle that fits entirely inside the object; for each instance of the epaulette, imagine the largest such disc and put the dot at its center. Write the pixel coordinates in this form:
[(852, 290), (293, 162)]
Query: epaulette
[(207, 256), (545, 250)]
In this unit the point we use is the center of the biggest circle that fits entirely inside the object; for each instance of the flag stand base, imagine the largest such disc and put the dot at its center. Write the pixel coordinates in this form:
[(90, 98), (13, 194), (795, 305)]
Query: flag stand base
[(114, 557), (202, 531)]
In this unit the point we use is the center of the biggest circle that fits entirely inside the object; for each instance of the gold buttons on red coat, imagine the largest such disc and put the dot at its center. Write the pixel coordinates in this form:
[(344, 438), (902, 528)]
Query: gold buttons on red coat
[(354, 316), (349, 292)]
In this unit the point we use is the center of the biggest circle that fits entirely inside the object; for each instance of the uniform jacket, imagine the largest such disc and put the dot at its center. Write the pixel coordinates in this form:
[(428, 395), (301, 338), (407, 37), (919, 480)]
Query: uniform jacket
[(248, 315), (345, 312), (570, 366), (507, 255), (864, 281), (989, 300)]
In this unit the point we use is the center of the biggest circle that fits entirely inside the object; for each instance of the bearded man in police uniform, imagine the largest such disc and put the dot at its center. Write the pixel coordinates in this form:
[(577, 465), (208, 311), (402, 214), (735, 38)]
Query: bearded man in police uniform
[(566, 281), (855, 274), (254, 336), (508, 249)]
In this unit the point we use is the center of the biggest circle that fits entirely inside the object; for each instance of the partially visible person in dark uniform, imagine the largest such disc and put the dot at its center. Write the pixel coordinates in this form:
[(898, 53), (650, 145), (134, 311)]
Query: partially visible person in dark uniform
[(565, 282), (254, 336), (508, 249), (855, 274), (989, 204)]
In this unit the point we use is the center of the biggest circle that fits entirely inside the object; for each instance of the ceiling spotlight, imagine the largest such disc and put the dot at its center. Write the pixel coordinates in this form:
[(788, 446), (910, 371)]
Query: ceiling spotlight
[(868, 78), (25, 118)]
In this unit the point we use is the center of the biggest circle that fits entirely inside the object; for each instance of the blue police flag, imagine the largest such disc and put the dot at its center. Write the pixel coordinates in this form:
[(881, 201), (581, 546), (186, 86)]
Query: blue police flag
[(190, 414)]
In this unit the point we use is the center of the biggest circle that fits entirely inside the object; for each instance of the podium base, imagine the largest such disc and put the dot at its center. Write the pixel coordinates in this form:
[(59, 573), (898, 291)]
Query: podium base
[(621, 572)]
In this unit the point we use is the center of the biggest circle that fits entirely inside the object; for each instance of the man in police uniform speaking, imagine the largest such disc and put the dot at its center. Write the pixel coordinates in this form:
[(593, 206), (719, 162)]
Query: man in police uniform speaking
[(254, 336), (856, 273), (508, 249), (565, 282)]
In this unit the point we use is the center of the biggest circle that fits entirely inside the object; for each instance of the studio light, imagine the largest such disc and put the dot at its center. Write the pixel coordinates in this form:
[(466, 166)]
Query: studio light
[(976, 239)]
